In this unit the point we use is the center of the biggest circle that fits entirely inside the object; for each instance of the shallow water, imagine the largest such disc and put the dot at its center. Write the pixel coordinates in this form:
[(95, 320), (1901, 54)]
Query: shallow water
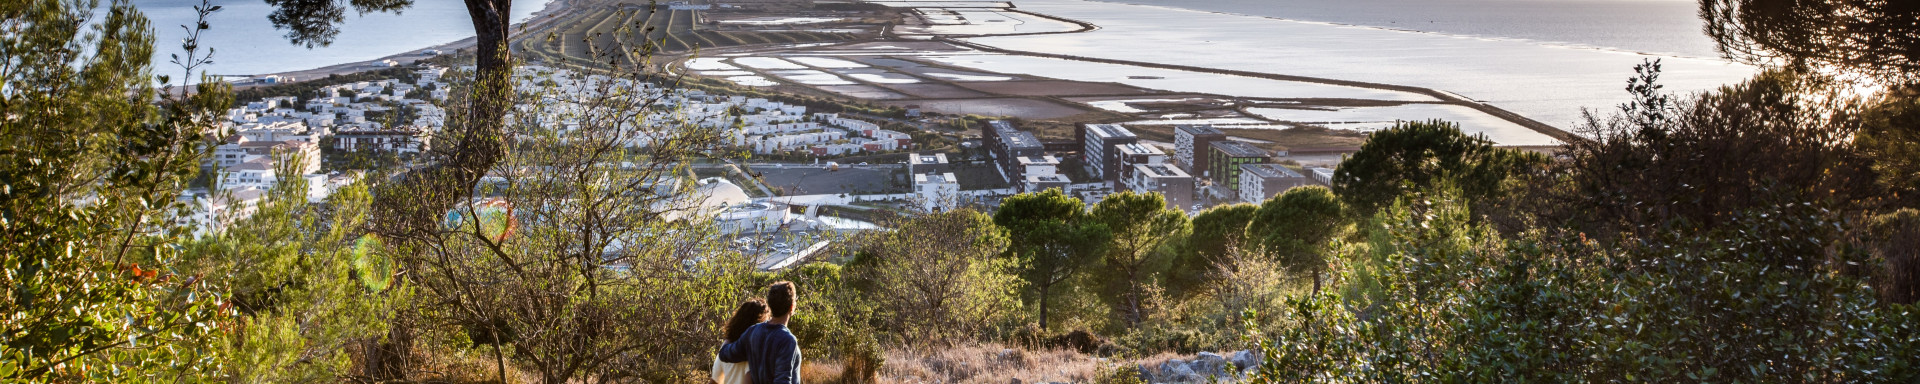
[(1547, 83), (1374, 118), (1170, 80)]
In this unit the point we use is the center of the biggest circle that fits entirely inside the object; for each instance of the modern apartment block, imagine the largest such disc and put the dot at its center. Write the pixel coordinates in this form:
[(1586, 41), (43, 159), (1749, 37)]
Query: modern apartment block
[(1100, 147), (1259, 182), (1008, 145), (1192, 143), (936, 192), (1170, 181), (1223, 163)]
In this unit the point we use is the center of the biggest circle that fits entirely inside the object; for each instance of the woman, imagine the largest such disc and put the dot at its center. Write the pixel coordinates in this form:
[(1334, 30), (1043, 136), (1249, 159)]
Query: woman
[(751, 312)]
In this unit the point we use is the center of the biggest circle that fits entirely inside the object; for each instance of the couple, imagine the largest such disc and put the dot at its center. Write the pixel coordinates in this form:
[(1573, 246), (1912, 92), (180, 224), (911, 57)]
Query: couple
[(762, 353)]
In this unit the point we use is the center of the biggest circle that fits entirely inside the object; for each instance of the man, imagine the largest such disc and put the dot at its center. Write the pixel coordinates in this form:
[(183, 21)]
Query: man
[(771, 352)]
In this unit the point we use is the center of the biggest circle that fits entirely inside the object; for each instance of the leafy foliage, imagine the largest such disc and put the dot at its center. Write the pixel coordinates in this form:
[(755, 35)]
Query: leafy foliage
[(1139, 225), (89, 177), (1050, 238), (940, 278), (1295, 228), (1216, 231), (1872, 38), (1413, 156), (1454, 303)]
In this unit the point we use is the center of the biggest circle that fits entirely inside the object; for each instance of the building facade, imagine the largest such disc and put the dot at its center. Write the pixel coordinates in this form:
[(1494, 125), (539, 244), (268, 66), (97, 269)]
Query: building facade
[(939, 192), (1223, 164), (1100, 148), (1259, 182), (1176, 185), (1192, 143)]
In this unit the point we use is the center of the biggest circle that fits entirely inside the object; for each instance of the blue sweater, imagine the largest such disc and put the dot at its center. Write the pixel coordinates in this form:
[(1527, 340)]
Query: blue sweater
[(771, 352)]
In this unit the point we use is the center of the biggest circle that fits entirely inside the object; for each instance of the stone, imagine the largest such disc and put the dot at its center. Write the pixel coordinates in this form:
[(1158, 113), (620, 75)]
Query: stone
[(1181, 371), (1245, 359), (1209, 363)]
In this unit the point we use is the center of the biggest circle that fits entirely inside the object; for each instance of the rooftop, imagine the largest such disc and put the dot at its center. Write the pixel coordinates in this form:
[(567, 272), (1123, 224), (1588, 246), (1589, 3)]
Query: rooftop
[(1199, 130), (1048, 179), (1269, 171), (935, 178), (937, 158), (1039, 160), (1139, 149), (1161, 170), (1109, 131), (1019, 140), (1239, 149)]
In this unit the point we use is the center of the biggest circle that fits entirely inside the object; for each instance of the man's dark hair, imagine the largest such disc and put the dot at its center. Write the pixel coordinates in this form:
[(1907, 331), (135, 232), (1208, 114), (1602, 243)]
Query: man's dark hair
[(780, 298)]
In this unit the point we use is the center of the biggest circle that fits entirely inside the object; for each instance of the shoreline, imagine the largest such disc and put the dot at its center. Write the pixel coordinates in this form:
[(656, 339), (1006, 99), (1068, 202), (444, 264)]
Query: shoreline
[(537, 20)]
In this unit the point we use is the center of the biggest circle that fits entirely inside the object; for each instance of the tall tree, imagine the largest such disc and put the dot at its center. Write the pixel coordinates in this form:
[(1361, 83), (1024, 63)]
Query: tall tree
[(91, 171), (1422, 154), (1050, 239), (1880, 39), (1140, 224), (1776, 139), (476, 138), (1215, 231), (1294, 229)]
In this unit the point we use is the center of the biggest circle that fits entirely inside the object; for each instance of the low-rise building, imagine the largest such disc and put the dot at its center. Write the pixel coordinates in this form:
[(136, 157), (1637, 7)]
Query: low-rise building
[(936, 192), (1036, 183), (1176, 185), (402, 140), (1322, 175), (1192, 143), (1259, 182), (1226, 159)]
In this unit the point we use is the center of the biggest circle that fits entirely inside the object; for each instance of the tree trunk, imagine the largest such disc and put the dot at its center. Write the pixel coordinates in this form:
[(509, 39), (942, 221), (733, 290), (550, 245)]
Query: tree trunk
[(1043, 306), (410, 206)]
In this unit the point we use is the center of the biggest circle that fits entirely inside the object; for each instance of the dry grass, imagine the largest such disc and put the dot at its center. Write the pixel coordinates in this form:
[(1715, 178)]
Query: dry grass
[(989, 363), (830, 372), (465, 367)]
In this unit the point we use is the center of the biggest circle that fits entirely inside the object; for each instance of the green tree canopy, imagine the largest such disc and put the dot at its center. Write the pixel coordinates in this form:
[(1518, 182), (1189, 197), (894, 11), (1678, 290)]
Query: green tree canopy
[(1215, 230), (1050, 239), (1423, 154), (940, 277), (1875, 38), (1295, 227), (1140, 224)]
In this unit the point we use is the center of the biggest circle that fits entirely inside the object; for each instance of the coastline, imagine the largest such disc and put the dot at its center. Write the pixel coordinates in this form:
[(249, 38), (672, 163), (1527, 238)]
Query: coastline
[(539, 19)]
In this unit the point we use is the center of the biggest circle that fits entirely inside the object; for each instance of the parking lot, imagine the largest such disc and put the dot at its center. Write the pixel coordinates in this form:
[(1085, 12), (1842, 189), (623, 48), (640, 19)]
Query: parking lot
[(813, 180)]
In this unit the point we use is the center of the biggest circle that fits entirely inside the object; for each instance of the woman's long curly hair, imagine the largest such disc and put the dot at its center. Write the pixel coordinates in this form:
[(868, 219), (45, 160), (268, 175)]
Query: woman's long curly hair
[(751, 312)]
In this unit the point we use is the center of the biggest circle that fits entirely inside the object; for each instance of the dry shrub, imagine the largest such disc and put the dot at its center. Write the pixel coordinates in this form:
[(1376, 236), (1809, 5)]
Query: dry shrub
[(822, 372), (989, 363)]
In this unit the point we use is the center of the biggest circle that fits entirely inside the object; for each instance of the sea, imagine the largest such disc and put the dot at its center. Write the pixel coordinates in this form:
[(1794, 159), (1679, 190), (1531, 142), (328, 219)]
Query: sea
[(245, 43)]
